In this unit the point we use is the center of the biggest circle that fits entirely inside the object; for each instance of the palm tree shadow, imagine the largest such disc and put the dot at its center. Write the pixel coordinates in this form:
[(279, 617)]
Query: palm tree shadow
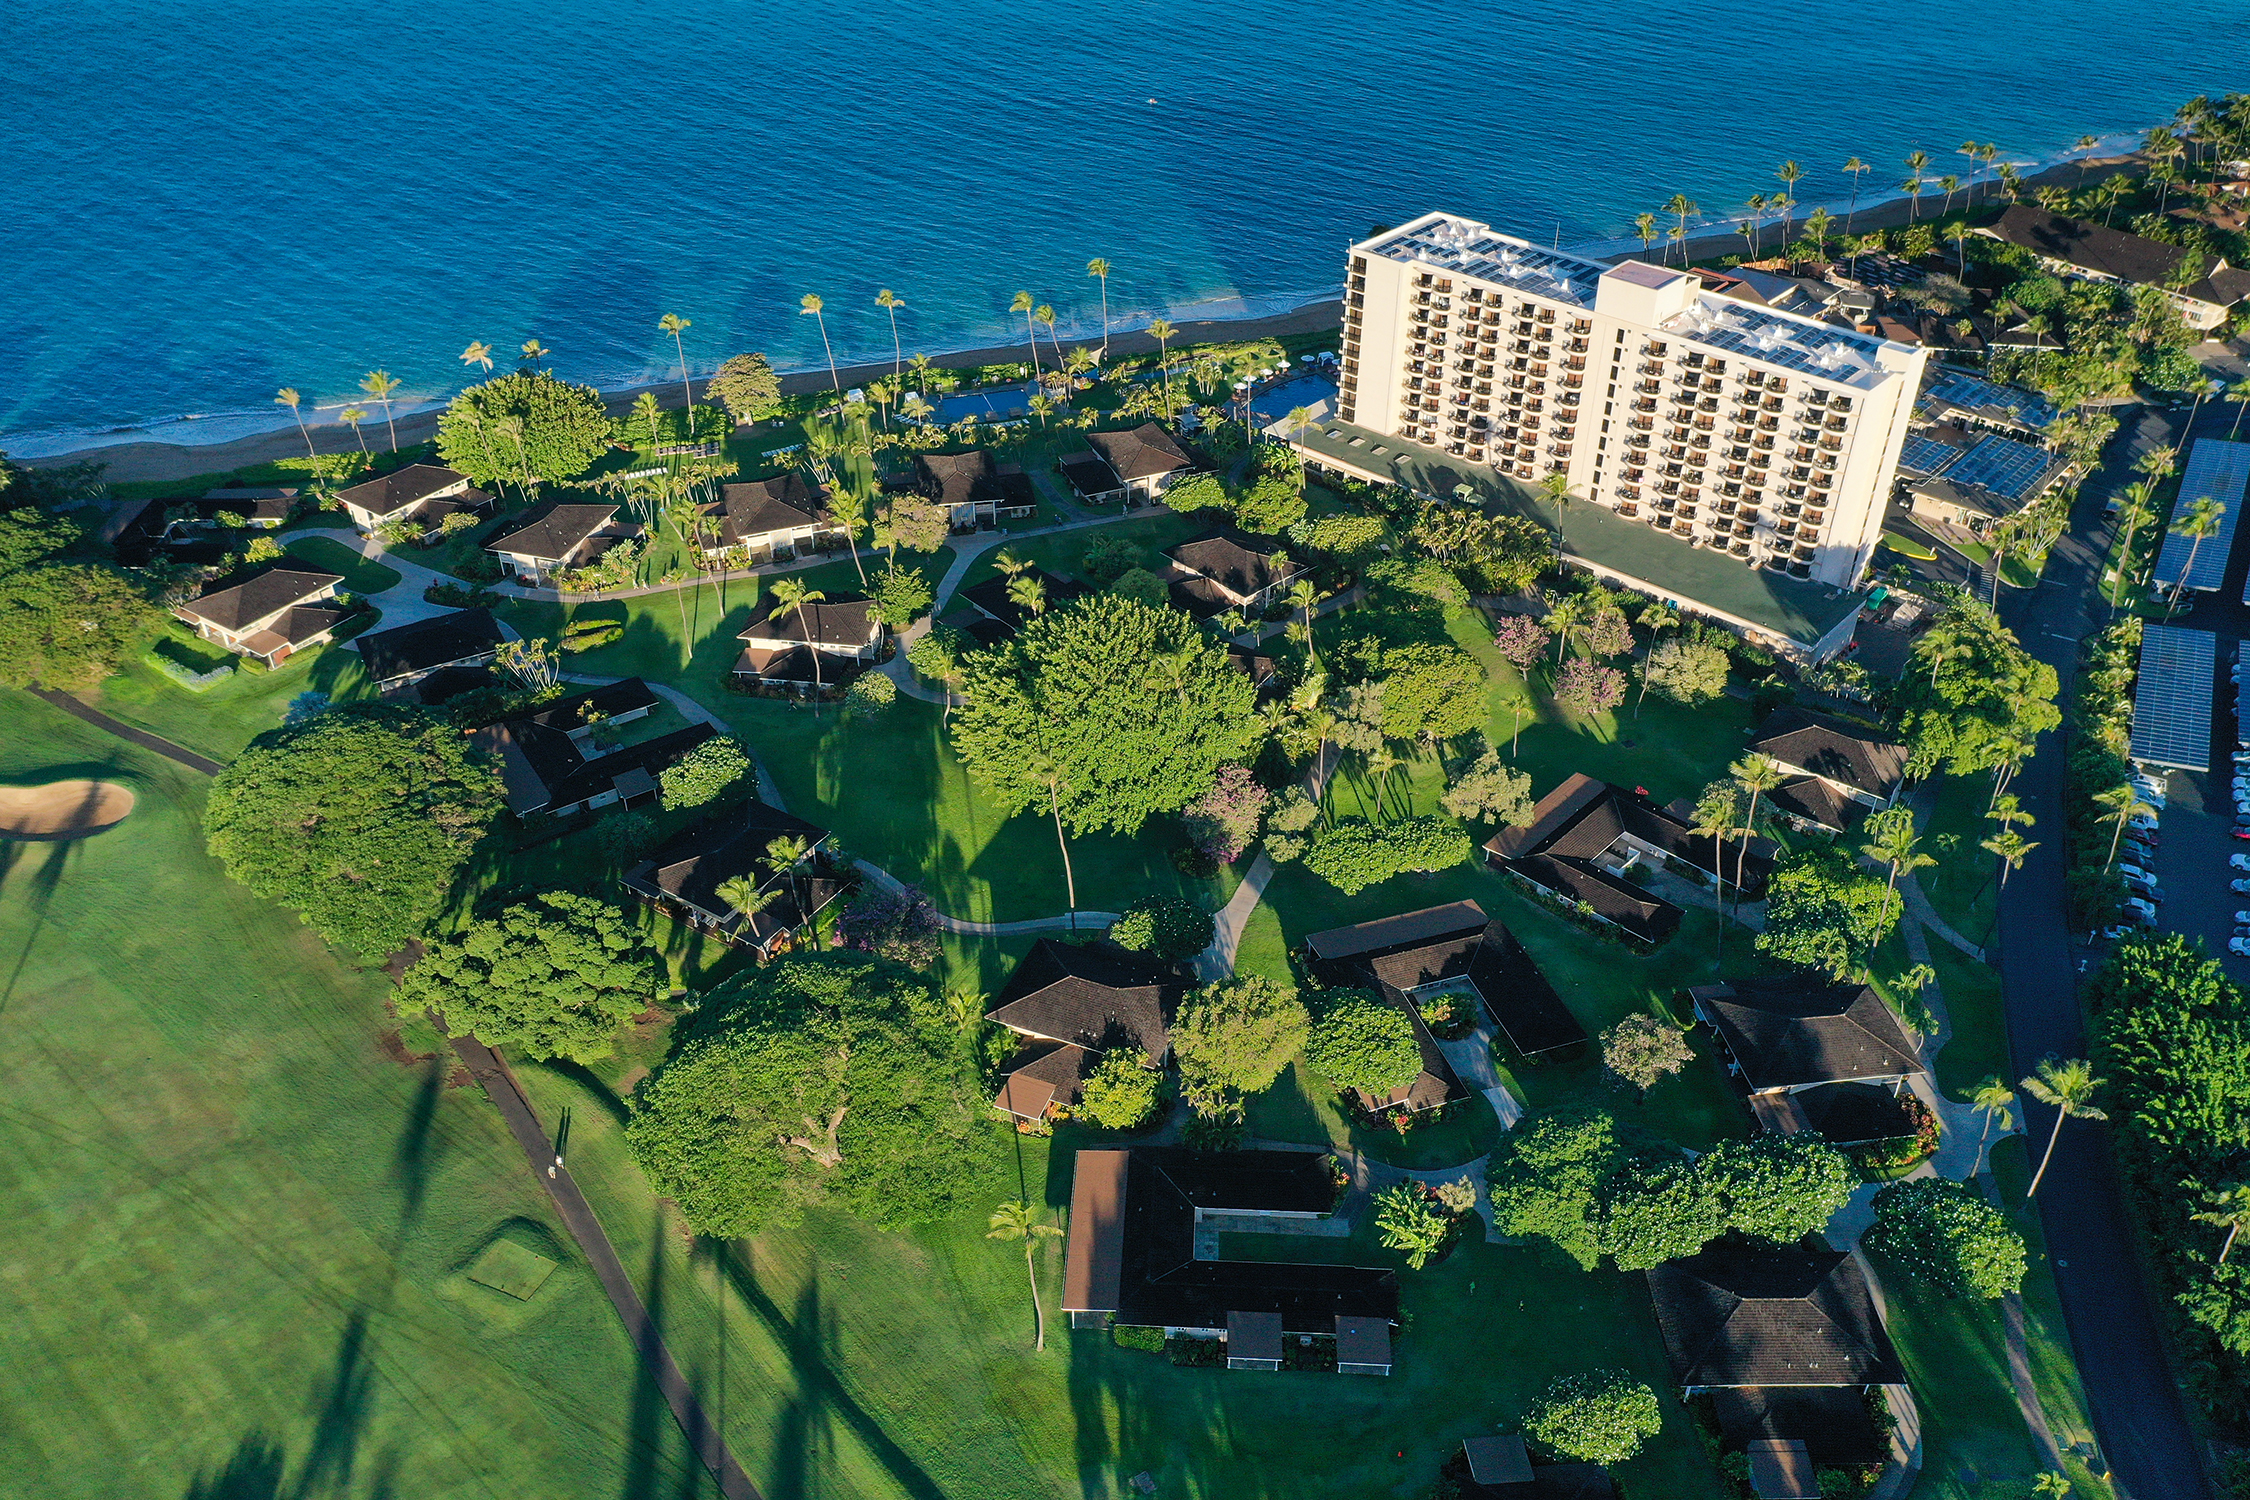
[(45, 881)]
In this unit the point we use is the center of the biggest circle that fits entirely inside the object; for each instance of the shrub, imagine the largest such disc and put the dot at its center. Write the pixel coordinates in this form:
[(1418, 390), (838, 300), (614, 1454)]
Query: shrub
[(1355, 853), (1357, 1042), (870, 693), (1121, 1093), (588, 637), (1947, 1234), (1108, 557), (704, 774), (453, 596), (899, 925), (1196, 492), (1293, 813), (1137, 1336), (1408, 1219), (188, 677), (1224, 820), (1170, 927), (1600, 1417), (1205, 1354), (1141, 585)]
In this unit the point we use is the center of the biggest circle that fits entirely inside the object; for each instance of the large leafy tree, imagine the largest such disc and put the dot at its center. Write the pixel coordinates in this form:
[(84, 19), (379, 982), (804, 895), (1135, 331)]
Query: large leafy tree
[(1121, 1092), (822, 1079), (1356, 853), (361, 818), (1600, 1417), (1824, 912), (746, 386), (1114, 709), (1973, 696), (63, 623), (555, 976), (1657, 1210), (1546, 1180), (1778, 1187), (1235, 1037), (1431, 692), (1171, 927), (525, 429), (1358, 1042), (1947, 1234)]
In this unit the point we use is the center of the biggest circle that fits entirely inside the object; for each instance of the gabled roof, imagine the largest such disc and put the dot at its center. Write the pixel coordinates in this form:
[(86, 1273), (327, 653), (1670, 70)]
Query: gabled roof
[(1744, 1314), (551, 532), (1404, 952), (991, 596), (293, 627), (785, 502), (1235, 560), (272, 591), (2102, 251), (959, 478), (1792, 1030), (690, 867), (1816, 801), (1835, 748), (844, 620), (1041, 1074), (395, 491), (1142, 453), (424, 645), (1831, 1421), (1096, 995)]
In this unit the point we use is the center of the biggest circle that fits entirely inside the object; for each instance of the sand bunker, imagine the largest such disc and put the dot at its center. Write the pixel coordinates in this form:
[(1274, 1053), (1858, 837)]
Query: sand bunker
[(61, 809)]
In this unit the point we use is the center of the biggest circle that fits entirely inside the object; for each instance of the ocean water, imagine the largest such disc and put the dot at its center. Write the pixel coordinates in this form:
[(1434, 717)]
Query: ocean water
[(208, 199)]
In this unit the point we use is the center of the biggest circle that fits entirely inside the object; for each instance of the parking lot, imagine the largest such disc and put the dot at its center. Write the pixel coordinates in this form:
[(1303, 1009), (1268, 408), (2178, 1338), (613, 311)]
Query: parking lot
[(2195, 837)]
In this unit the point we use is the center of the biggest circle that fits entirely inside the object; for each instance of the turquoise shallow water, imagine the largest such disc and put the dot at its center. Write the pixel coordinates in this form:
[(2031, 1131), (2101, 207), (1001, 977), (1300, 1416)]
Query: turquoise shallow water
[(208, 199)]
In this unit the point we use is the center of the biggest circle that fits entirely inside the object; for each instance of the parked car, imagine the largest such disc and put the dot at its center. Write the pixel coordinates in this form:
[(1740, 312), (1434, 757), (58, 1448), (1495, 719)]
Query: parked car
[(2137, 904), (2239, 945), (2239, 861), (2240, 832)]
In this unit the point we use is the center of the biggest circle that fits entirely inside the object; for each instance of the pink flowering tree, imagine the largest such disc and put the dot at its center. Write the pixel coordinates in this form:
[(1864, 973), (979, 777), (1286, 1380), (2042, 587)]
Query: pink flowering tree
[(1522, 640), (1587, 688), (1605, 635), (1224, 820)]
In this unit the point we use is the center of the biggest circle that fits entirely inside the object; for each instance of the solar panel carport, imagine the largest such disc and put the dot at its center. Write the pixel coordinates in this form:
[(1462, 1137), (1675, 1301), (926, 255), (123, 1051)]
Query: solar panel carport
[(2220, 470), (2172, 700)]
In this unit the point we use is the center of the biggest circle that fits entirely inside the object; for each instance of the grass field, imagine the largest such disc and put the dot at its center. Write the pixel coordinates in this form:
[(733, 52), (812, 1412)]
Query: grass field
[(221, 720), (362, 575), (234, 1229)]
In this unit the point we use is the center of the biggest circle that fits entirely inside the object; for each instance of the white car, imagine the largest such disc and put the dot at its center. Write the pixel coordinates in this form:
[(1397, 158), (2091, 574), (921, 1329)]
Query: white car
[(2238, 861), (2147, 909), (2239, 945)]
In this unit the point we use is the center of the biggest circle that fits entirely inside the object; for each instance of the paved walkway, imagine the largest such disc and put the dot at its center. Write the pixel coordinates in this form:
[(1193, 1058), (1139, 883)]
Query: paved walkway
[(500, 1086), (402, 603), (141, 737), (1083, 921)]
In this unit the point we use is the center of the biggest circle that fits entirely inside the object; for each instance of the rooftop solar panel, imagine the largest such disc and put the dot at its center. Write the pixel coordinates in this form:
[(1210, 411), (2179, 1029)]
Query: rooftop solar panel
[(1924, 458), (2007, 468), (1993, 401), (2219, 470), (2172, 700)]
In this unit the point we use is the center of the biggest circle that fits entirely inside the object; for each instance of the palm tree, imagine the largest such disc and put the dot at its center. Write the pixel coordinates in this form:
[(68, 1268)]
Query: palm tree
[(1816, 225), (1952, 185), (890, 302), (1302, 597), (2121, 805), (533, 352), (1680, 205), (811, 305), (478, 353), (647, 410), (2239, 395), (1858, 169), (1756, 203), (1016, 1221), (1912, 187), (1644, 225), (1010, 566), (1022, 303), (1655, 619), (789, 594), (1039, 406), (1714, 820), (1756, 774), (2229, 1209), (1991, 1099), (1046, 768), (287, 396), (1162, 331), (1788, 172), (1044, 316), (743, 895), (784, 853), (1893, 843), (2011, 847), (379, 384), (2202, 521), (352, 416), (1555, 485), (1028, 595), (2067, 1086), (2052, 1483), (1100, 267), (1300, 418), (675, 325)]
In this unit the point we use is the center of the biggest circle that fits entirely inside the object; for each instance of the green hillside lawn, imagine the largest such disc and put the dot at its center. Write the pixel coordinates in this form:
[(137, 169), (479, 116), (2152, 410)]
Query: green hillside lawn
[(231, 1227)]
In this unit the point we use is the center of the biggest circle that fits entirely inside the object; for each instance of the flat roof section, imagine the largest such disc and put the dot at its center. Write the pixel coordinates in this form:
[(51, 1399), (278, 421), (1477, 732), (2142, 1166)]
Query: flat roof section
[(1094, 1256), (2172, 699), (1796, 609), (2220, 470)]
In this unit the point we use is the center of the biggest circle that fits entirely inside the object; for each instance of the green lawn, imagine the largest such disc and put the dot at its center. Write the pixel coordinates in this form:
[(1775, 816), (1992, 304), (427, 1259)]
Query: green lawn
[(362, 575), (1964, 885), (1979, 1046), (234, 1229), (221, 720)]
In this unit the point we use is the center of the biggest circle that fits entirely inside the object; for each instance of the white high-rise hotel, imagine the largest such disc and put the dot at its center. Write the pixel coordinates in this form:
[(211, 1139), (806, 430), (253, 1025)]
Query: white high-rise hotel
[(1762, 435)]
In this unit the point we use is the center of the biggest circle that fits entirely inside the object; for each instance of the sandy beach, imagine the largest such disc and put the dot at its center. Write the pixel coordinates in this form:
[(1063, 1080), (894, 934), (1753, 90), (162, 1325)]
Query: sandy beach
[(158, 461)]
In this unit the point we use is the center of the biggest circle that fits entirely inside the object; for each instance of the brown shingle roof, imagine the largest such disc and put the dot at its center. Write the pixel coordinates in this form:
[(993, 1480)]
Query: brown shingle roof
[(1043, 1074), (550, 533), (1740, 1314), (420, 645), (1094, 995), (1834, 748), (1235, 560), (401, 488), (293, 628), (1143, 453), (785, 502), (958, 478), (252, 600), (1815, 800), (1792, 1030), (2103, 251), (844, 620)]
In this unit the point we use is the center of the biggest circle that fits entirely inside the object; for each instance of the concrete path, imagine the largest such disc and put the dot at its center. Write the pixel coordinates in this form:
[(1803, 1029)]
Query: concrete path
[(402, 603), (1471, 1058), (128, 733), (500, 1086), (1084, 921), (1217, 961), (1926, 915)]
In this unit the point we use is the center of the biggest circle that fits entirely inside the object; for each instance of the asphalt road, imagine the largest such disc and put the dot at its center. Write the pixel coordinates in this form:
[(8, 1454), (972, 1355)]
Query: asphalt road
[(2137, 1406)]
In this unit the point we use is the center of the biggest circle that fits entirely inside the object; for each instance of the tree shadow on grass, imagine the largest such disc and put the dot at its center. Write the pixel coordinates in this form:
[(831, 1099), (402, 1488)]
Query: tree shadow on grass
[(821, 1394), (258, 1469), (40, 898)]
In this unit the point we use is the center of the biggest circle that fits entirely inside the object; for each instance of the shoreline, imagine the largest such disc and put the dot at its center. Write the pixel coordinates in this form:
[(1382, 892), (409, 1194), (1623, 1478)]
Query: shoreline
[(153, 460)]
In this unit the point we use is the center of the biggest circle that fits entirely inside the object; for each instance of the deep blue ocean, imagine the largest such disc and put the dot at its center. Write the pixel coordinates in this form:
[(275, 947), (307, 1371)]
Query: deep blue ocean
[(207, 199)]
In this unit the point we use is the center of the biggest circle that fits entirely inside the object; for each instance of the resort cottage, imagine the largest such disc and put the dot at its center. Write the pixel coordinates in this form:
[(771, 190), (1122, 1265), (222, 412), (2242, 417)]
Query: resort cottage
[(1227, 569), (1132, 1256), (1452, 955), (556, 538), (773, 520), (2202, 287), (1130, 467), (268, 618), (1500, 1468), (1586, 838), (995, 600), (408, 654), (975, 489), (1072, 1002), (683, 877), (818, 646), (1839, 771), (558, 758), (425, 493), (262, 507), (1810, 1051)]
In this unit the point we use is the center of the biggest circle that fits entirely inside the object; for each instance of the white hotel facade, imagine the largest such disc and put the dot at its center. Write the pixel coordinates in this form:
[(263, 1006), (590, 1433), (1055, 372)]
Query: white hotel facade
[(1764, 436)]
